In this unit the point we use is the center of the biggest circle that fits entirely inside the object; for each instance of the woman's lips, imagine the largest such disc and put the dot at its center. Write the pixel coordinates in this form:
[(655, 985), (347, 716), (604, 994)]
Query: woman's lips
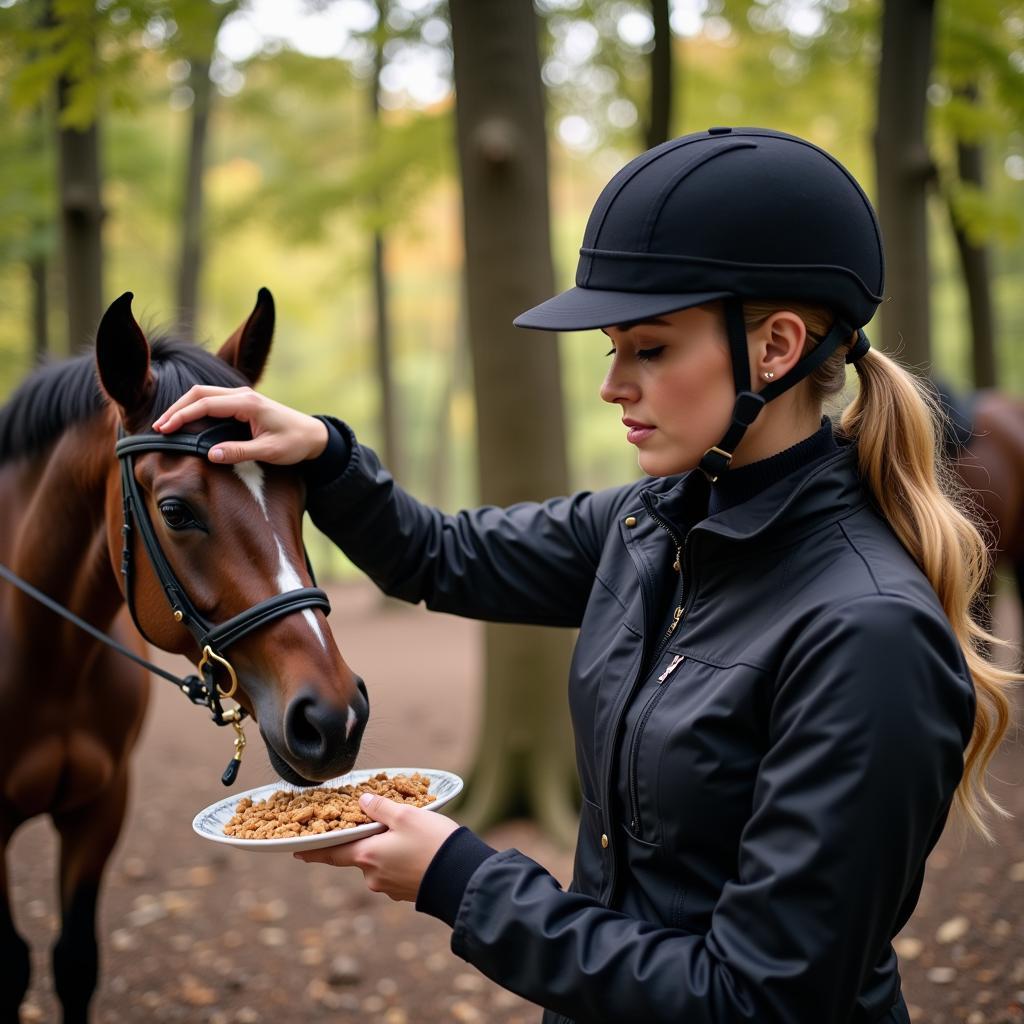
[(638, 432)]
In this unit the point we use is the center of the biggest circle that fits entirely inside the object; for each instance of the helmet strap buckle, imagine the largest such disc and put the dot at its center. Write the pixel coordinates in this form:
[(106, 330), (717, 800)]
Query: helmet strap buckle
[(717, 458)]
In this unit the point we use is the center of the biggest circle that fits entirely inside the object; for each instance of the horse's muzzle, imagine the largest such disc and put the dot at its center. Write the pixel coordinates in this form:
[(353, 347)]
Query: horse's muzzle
[(320, 737)]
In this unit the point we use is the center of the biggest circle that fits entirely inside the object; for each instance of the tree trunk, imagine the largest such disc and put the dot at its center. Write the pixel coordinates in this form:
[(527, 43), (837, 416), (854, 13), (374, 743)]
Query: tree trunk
[(382, 334), (192, 204), (455, 381), (81, 210), (974, 261), (524, 763), (659, 127), (904, 169), (38, 263), (40, 323)]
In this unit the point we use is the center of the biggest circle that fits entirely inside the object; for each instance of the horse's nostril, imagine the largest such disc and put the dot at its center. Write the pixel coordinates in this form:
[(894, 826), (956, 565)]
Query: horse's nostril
[(302, 729), (320, 735)]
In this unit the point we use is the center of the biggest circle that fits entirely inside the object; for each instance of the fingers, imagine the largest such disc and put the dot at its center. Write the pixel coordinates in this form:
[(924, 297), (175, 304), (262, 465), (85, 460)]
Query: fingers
[(281, 435), (230, 452), (381, 809), (343, 856), (205, 400)]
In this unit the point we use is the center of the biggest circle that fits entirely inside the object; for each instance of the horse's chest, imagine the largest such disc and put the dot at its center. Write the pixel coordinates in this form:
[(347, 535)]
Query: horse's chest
[(58, 773)]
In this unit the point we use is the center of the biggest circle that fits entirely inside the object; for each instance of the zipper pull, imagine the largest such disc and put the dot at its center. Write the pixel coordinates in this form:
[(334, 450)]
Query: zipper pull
[(676, 565), (676, 616), (672, 666)]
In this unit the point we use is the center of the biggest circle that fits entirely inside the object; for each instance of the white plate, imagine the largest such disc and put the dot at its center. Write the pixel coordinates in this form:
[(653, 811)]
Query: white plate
[(209, 822)]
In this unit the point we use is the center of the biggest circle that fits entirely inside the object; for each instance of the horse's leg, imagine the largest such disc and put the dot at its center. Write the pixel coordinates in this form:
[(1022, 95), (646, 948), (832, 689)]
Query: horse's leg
[(87, 837), (14, 952)]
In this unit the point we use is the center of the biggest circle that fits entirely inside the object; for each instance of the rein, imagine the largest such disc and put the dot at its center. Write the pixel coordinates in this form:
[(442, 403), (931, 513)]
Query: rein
[(211, 639)]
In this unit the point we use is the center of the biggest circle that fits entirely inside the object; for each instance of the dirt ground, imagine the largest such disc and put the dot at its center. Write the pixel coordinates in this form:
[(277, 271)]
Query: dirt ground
[(195, 932)]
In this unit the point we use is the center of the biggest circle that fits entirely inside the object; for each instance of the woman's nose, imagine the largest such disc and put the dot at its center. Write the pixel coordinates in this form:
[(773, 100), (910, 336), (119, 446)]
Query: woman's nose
[(617, 387)]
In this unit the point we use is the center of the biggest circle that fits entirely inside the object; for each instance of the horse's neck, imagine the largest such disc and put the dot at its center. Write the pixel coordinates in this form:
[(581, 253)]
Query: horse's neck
[(60, 543)]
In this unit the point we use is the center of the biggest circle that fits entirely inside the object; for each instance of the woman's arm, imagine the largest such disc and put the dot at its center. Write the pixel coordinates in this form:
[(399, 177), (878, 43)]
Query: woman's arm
[(533, 562)]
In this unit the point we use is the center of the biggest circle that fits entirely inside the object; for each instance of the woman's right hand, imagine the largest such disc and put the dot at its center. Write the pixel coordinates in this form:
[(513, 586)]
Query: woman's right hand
[(279, 434)]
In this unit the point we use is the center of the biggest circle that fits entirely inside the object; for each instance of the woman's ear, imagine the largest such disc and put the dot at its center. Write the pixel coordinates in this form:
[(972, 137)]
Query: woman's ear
[(122, 359), (783, 336), (248, 348)]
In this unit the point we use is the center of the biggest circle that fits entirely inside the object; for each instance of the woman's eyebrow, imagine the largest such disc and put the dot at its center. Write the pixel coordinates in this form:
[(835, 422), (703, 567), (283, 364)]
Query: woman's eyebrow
[(654, 321)]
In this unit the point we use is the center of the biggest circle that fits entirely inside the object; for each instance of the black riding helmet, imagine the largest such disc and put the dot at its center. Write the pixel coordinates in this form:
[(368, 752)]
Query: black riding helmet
[(730, 214)]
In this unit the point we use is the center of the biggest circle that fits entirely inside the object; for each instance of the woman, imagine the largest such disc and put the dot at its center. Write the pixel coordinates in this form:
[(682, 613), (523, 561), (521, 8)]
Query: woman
[(777, 673)]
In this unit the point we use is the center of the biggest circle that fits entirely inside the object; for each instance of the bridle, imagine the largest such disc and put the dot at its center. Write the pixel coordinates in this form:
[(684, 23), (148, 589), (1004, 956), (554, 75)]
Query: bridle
[(212, 640)]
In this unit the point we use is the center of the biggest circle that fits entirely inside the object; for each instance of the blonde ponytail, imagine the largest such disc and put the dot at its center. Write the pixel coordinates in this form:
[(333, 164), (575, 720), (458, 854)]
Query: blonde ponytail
[(897, 424)]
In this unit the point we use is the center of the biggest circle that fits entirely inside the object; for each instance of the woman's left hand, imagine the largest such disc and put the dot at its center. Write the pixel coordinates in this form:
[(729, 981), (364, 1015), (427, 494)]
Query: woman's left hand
[(395, 861)]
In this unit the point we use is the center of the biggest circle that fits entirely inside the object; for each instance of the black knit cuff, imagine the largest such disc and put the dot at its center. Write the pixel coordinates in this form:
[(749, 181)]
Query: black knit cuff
[(448, 874), (332, 461)]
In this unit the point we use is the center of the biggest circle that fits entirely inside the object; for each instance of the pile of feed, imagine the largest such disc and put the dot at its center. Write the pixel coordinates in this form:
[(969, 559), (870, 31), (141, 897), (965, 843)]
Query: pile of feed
[(311, 812)]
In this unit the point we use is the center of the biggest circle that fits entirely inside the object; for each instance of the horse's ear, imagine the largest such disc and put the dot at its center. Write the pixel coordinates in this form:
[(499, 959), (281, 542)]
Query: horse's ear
[(248, 348), (122, 357)]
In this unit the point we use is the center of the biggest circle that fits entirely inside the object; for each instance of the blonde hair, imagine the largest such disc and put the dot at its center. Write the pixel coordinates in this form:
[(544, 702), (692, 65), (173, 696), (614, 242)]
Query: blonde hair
[(897, 424)]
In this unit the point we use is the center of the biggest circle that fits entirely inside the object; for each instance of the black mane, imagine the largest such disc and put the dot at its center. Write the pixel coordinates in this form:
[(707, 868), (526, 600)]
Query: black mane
[(58, 395)]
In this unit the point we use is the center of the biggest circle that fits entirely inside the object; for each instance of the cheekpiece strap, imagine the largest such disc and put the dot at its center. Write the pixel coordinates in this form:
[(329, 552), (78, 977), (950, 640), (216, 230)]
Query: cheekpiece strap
[(745, 410), (736, 330), (806, 366), (716, 459)]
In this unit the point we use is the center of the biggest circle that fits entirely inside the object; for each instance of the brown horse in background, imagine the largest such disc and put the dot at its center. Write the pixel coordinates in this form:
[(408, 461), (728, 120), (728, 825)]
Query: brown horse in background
[(984, 438), (70, 707)]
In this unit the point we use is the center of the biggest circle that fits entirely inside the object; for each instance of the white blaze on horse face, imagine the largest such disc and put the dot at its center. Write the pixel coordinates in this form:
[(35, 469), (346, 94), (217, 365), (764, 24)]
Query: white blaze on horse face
[(288, 579), (251, 474)]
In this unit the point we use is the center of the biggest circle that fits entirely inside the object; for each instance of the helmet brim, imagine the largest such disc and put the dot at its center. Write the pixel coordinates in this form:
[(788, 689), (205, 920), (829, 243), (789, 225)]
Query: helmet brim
[(583, 309)]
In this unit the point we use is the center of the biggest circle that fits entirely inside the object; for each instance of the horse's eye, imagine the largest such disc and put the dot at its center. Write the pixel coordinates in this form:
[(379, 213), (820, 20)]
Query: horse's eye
[(177, 515)]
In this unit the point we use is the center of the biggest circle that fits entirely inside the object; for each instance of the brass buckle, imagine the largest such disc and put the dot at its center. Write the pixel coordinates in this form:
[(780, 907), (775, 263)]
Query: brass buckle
[(719, 451), (209, 655)]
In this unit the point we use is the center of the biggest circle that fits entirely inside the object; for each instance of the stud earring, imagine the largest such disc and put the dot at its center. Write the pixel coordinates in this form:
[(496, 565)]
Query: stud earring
[(769, 375)]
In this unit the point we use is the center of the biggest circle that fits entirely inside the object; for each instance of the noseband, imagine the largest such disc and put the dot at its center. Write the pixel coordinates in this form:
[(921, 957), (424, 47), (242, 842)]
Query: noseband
[(212, 640)]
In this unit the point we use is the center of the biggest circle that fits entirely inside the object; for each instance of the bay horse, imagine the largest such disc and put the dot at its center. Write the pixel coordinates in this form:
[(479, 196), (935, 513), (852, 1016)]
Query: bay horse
[(231, 541), (983, 436)]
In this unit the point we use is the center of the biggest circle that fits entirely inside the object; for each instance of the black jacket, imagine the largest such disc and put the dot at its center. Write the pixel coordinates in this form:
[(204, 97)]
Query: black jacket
[(755, 824)]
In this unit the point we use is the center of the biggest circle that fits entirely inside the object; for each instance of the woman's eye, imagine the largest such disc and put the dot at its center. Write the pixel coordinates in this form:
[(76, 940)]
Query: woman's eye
[(178, 516), (643, 354)]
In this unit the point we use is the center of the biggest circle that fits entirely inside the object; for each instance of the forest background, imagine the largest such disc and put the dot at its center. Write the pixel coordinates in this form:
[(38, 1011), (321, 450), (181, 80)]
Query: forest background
[(191, 151), (302, 168)]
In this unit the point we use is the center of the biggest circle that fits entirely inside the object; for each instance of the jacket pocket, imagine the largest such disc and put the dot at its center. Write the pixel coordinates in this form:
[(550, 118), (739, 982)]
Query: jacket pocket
[(587, 867), (656, 887)]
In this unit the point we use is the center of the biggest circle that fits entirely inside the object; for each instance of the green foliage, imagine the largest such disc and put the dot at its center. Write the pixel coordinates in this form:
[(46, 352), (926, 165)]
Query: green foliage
[(91, 47), (299, 176), (195, 24), (978, 99)]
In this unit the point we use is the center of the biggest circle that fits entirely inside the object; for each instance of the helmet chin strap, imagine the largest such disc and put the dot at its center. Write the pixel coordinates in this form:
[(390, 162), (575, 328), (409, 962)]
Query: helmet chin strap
[(749, 404)]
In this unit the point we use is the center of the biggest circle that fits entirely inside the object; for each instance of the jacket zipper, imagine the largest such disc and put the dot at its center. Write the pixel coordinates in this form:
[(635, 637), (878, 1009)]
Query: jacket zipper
[(654, 699), (677, 613), (634, 746), (682, 553)]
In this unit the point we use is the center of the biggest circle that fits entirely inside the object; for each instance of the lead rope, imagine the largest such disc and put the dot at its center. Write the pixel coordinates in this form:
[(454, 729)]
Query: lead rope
[(197, 691), (187, 685)]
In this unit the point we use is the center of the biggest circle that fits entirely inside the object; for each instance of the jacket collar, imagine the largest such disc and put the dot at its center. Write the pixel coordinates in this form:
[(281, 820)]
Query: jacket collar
[(785, 510), (741, 483)]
